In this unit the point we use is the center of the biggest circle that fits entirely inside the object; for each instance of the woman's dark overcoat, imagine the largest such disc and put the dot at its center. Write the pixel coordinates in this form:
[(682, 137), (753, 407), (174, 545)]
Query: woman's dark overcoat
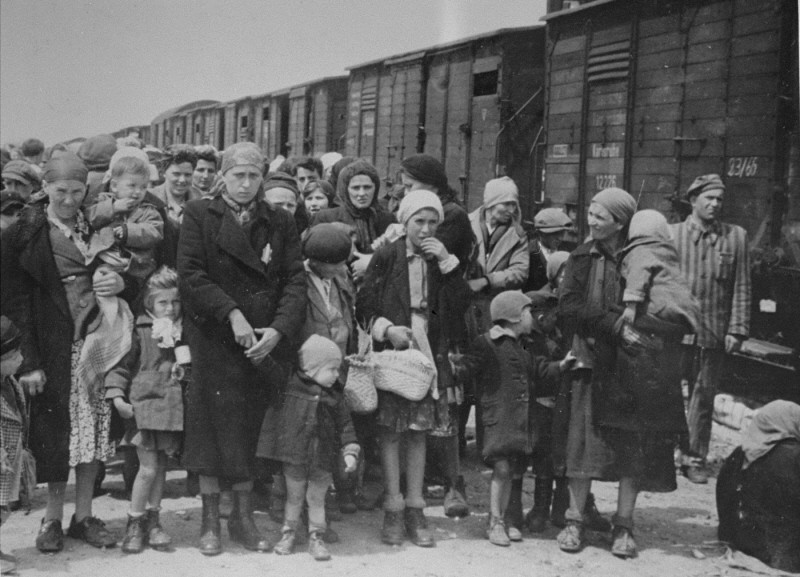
[(221, 268), (310, 426), (385, 293), (34, 297)]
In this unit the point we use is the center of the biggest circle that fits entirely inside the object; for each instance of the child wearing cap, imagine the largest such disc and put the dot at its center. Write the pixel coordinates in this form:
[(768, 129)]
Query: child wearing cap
[(121, 217), (14, 425), (655, 289), (507, 377), (306, 432)]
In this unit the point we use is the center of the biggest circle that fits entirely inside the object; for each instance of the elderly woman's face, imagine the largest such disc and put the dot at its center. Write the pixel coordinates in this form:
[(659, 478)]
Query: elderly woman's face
[(315, 201), (501, 213), (601, 223), (281, 198), (361, 190), (242, 182), (178, 178), (66, 197)]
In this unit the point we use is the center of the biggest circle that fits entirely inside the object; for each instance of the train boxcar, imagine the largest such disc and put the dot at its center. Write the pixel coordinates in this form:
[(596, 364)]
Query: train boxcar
[(647, 95), (171, 127), (476, 104), (316, 123)]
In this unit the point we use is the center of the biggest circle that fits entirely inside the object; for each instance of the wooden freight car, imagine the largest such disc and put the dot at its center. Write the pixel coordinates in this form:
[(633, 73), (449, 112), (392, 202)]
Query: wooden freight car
[(476, 104), (171, 127), (648, 95), (141, 132)]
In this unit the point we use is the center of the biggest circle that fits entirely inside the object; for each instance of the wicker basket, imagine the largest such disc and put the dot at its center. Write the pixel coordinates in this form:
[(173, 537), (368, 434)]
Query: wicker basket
[(359, 389), (407, 373)]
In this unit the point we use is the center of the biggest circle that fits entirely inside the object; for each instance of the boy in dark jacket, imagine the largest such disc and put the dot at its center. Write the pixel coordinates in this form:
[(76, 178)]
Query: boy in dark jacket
[(306, 432), (507, 378)]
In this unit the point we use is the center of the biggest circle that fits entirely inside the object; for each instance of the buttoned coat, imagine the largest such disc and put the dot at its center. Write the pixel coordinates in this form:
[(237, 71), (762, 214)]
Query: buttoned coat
[(35, 298), (223, 266)]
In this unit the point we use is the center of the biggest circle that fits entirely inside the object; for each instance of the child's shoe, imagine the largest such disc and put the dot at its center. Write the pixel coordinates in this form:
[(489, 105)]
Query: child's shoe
[(623, 544), (393, 532), (417, 528), (135, 535), (496, 533), (316, 547), (513, 533), (91, 530), (570, 539), (286, 545), (157, 538), (455, 502)]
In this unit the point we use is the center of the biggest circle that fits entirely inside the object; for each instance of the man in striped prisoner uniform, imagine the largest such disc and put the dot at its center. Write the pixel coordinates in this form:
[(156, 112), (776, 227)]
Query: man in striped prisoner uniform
[(715, 260)]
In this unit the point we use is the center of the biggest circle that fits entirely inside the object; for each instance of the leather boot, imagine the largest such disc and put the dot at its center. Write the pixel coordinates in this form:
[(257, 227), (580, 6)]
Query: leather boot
[(513, 518), (210, 543), (277, 498), (393, 531), (455, 501), (417, 528), (135, 535), (560, 502), (241, 526), (156, 536), (536, 519)]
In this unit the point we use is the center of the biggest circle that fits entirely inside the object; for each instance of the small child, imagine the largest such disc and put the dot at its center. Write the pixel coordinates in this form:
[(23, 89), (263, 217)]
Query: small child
[(306, 433), (12, 410), (152, 372), (654, 286), (507, 379), (120, 217)]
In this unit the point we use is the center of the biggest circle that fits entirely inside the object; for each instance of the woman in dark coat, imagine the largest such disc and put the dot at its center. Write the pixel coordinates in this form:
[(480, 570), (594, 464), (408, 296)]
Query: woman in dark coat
[(357, 192), (758, 489), (50, 294), (243, 286), (623, 400), (415, 293), (424, 172)]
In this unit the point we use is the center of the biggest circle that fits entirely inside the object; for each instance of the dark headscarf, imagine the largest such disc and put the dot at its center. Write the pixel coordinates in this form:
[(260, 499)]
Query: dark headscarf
[(337, 169), (365, 219), (428, 170)]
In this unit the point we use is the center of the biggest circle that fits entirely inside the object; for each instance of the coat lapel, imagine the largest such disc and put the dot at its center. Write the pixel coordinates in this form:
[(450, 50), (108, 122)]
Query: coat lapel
[(400, 277), (37, 259), (232, 239)]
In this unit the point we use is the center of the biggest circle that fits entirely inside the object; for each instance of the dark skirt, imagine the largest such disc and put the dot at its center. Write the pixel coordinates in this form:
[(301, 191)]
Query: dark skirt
[(647, 456), (399, 415)]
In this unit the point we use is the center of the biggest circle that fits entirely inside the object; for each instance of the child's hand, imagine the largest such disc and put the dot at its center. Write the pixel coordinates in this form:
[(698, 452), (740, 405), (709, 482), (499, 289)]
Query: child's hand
[(400, 337), (629, 314), (118, 232), (433, 247), (124, 204), (567, 362), (124, 409), (350, 463)]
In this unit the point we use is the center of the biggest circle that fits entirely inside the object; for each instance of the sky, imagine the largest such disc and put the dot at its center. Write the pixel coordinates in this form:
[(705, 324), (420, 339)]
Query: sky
[(71, 68)]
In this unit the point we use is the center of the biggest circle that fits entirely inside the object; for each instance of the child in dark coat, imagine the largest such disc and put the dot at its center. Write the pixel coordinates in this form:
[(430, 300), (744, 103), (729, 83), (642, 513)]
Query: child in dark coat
[(151, 376), (507, 380), (654, 286), (306, 432)]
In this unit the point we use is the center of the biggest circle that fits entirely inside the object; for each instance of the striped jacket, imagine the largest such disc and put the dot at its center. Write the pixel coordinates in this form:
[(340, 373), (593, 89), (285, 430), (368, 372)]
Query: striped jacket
[(716, 262)]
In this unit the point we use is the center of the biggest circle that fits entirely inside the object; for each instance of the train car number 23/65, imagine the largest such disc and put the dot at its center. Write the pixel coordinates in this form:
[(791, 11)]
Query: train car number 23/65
[(605, 181), (741, 166)]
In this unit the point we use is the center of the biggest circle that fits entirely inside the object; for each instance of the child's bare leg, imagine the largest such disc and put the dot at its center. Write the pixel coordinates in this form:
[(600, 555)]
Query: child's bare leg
[(390, 460), (296, 487), (415, 468), (157, 488), (500, 488), (85, 474), (318, 484), (145, 479)]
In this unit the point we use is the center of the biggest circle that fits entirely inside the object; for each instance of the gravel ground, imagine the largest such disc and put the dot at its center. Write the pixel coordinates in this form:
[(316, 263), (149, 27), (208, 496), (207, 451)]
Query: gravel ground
[(676, 534)]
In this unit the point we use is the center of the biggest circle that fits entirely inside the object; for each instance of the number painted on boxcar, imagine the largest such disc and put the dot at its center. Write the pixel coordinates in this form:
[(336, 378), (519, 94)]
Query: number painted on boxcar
[(742, 166), (605, 181)]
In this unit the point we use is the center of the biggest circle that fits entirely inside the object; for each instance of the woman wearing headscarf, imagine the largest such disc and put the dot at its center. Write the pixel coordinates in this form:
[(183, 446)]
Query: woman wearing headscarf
[(243, 288), (758, 489), (357, 193), (55, 299), (416, 295), (623, 400), (424, 172)]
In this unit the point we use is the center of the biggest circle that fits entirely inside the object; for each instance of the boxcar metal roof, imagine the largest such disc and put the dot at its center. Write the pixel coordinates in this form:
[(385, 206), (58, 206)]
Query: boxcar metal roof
[(183, 108), (581, 8), (437, 47)]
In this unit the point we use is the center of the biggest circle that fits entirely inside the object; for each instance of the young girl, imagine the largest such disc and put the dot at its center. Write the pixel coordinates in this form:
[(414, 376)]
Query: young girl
[(305, 433), (507, 378), (414, 292), (152, 372)]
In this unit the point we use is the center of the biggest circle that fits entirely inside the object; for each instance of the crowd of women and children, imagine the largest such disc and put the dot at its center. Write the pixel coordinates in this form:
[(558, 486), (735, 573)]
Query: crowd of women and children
[(210, 302)]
